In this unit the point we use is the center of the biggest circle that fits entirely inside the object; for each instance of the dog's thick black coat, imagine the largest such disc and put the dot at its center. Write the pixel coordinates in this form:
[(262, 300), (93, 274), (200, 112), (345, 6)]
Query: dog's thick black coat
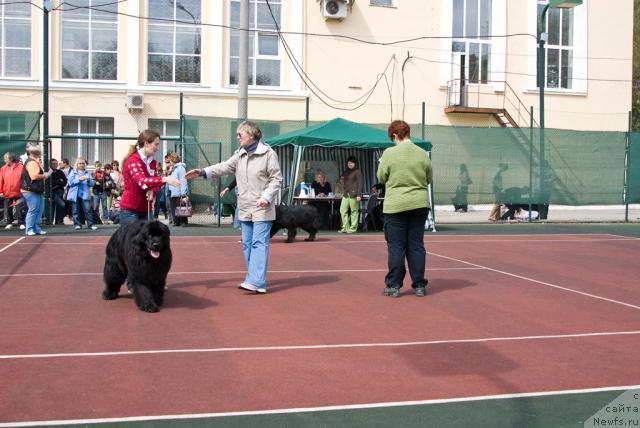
[(291, 217), (141, 254)]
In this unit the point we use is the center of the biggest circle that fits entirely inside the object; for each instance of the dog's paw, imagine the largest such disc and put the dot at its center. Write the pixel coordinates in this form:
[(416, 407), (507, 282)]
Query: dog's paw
[(309, 239), (289, 241), (106, 295), (151, 308)]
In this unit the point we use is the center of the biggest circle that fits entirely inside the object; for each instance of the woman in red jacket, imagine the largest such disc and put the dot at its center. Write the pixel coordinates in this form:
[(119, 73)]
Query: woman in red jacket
[(10, 180), (140, 180)]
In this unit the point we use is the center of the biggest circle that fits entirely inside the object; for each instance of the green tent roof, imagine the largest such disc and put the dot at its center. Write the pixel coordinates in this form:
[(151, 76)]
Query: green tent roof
[(339, 133)]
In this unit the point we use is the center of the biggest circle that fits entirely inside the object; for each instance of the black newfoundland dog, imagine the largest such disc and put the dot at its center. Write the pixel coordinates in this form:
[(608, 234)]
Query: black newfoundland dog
[(139, 253), (291, 217)]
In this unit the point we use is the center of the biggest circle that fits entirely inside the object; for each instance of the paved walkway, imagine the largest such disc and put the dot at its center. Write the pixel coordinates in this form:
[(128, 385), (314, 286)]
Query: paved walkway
[(557, 213)]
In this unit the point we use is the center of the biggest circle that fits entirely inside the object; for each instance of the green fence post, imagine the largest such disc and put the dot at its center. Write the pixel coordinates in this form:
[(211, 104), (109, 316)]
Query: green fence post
[(531, 161), (627, 153)]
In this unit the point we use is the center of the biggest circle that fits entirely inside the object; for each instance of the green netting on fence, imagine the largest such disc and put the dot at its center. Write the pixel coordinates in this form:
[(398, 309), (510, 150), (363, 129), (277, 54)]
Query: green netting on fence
[(634, 168), (15, 129), (579, 168)]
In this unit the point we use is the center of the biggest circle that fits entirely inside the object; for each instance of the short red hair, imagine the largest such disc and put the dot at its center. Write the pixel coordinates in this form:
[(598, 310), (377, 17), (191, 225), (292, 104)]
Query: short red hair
[(400, 128)]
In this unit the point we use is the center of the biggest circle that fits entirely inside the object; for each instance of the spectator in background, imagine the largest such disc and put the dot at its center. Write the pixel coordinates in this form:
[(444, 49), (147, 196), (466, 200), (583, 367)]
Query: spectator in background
[(32, 188), (340, 187), (114, 211), (257, 170), (161, 198), (178, 193), (514, 200), (497, 192), (351, 197), (58, 185), (66, 168), (79, 194), (322, 188), (229, 197), (405, 170), (100, 195), (460, 203), (108, 188), (10, 181)]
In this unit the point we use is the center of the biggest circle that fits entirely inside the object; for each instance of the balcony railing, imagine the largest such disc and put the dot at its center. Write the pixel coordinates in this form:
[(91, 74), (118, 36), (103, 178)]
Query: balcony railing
[(466, 97)]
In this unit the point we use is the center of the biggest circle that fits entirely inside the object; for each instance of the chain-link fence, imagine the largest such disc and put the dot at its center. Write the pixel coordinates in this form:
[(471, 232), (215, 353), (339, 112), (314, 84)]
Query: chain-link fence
[(569, 168)]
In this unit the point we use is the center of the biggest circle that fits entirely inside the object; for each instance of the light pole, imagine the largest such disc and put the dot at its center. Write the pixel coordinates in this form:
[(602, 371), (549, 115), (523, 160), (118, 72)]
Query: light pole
[(542, 37)]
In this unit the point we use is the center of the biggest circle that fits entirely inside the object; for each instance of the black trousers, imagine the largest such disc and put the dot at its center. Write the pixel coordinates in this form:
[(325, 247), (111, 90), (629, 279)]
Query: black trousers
[(404, 233)]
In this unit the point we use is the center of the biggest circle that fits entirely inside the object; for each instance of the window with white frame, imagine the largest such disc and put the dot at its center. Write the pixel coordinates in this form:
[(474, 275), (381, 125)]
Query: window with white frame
[(559, 25), (90, 40), (472, 37), (174, 42), (264, 46), (15, 46), (166, 128), (92, 149)]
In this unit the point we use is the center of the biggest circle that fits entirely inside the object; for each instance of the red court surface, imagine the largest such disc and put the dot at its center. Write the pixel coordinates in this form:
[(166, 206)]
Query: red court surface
[(504, 315)]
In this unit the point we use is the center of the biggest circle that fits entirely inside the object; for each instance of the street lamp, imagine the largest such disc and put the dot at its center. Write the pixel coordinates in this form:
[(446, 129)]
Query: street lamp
[(542, 37)]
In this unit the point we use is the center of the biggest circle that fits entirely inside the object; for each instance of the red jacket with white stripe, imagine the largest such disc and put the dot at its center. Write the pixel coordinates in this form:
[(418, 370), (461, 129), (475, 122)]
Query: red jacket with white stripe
[(137, 182)]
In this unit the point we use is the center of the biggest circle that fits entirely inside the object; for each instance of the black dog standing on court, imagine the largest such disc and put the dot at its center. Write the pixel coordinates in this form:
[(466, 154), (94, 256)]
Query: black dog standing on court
[(140, 253), (291, 217)]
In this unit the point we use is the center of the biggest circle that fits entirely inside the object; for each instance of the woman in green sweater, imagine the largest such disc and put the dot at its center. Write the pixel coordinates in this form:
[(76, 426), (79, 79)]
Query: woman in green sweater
[(405, 170)]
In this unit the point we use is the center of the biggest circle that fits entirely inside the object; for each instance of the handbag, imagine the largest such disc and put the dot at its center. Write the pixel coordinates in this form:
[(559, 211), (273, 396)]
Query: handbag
[(184, 209)]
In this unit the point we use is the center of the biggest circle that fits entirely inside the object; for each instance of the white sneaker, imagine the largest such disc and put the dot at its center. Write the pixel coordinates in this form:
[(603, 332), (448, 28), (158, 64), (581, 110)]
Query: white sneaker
[(22, 227), (76, 227), (9, 226), (31, 233), (251, 287), (94, 227), (42, 232)]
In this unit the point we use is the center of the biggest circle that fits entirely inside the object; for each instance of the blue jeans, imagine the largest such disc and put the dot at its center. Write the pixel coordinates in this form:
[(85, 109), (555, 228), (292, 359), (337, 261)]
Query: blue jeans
[(86, 208), (101, 199), (59, 207), (130, 217), (404, 233), (255, 247), (35, 203)]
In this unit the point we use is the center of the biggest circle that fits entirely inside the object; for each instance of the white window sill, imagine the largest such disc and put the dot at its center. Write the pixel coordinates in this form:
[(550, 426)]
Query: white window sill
[(18, 79), (551, 91)]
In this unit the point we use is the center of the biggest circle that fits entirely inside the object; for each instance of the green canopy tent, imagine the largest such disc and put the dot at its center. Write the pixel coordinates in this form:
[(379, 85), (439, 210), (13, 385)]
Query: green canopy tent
[(335, 140)]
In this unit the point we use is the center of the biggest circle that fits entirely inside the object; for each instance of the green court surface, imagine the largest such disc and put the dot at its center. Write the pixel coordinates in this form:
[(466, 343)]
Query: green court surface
[(553, 411)]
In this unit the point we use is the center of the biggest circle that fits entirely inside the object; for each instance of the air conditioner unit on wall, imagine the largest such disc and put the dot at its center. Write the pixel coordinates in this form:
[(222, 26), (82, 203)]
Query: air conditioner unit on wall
[(135, 101), (334, 9)]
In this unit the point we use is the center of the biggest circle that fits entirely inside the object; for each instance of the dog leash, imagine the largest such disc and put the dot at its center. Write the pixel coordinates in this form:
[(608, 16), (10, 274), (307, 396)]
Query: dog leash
[(149, 212)]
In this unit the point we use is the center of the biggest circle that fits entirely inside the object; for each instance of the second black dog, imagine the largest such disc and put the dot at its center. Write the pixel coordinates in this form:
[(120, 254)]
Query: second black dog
[(292, 217)]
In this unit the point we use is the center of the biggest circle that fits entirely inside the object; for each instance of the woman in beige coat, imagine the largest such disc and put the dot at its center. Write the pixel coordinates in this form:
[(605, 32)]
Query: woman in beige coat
[(258, 175)]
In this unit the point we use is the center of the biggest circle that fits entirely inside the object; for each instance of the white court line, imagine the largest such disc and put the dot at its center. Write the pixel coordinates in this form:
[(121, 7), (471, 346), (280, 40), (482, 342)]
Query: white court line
[(618, 302), (308, 347), (631, 238), (11, 244), (356, 241), (223, 272), (324, 408)]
